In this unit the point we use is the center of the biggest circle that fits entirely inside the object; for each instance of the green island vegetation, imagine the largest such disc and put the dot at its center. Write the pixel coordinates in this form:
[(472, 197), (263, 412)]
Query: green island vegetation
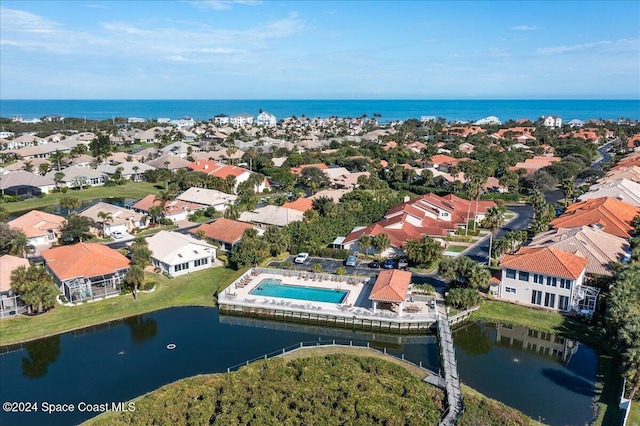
[(326, 389), (195, 289)]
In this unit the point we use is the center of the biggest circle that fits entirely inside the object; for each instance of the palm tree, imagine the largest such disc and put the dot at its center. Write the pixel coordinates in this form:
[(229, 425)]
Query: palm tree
[(154, 213), (492, 221), (57, 157), (473, 188), (44, 168), (230, 151), (106, 217), (134, 278), (423, 251), (163, 198), (568, 188), (70, 203), (251, 154), (381, 242), (58, 178), (232, 212), (365, 241), (18, 244), (28, 166), (135, 171)]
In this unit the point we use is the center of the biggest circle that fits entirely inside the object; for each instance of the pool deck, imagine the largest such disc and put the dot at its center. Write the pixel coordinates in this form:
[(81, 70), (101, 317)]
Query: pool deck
[(356, 310)]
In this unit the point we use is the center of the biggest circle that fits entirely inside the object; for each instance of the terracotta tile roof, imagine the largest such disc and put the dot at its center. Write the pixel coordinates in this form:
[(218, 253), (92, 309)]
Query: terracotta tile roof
[(301, 204), (84, 260), (171, 207), (36, 223), (225, 230), (391, 286), (213, 168), (548, 261), (8, 264), (299, 169), (613, 215)]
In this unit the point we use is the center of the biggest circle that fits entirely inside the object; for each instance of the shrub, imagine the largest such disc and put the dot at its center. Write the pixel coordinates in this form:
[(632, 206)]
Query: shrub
[(341, 270), (286, 265)]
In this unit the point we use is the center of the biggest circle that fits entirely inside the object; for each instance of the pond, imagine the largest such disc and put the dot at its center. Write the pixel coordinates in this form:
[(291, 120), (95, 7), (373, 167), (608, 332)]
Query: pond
[(547, 377), (124, 359), (56, 209)]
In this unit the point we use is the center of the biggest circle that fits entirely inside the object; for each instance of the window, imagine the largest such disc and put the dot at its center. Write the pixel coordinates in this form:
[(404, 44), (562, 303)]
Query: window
[(563, 303), (552, 281), (536, 297), (200, 262), (510, 290), (511, 273), (565, 283), (523, 276), (538, 279), (181, 267), (550, 300)]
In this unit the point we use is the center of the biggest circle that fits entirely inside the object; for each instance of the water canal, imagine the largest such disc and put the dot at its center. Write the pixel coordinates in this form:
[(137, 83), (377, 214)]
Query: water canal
[(124, 359)]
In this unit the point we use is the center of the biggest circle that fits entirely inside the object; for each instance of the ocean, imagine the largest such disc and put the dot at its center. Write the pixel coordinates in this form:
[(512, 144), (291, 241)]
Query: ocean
[(390, 110)]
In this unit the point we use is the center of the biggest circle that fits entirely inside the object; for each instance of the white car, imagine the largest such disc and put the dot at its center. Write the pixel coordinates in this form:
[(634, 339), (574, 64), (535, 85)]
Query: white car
[(301, 258), (117, 235)]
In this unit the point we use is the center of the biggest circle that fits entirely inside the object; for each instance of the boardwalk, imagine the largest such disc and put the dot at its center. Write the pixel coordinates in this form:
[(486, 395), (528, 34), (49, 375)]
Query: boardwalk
[(450, 370)]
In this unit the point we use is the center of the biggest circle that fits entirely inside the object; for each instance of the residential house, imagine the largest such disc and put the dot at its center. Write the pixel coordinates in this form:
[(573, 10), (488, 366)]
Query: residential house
[(174, 210), (40, 228), (243, 119), (298, 170), (221, 119), (178, 254), (552, 121), (491, 120), (621, 189), (131, 170), (225, 232), (77, 177), (86, 271), (9, 303), (213, 168), (23, 183), (444, 163), (429, 214), (272, 215), (301, 204), (169, 161), (266, 119), (609, 214), (531, 165), (208, 197), (547, 278), (630, 172), (601, 250), (121, 220)]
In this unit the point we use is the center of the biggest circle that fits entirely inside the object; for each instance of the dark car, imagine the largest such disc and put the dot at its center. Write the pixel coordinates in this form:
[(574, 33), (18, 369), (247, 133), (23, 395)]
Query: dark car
[(374, 264), (389, 264)]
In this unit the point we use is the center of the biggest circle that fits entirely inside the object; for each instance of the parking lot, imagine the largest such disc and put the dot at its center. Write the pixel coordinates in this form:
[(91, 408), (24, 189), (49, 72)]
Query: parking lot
[(330, 265)]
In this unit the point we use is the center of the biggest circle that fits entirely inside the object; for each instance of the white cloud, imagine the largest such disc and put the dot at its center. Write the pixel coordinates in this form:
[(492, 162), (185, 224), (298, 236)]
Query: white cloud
[(525, 28), (572, 48), (222, 4)]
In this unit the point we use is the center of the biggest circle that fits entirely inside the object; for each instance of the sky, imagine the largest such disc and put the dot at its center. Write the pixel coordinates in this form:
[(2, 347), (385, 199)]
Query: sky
[(249, 49)]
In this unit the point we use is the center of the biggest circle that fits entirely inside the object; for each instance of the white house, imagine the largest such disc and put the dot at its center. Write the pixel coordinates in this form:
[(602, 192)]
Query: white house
[(177, 254), (121, 219), (552, 121), (266, 119), (488, 120), (549, 278), (241, 119), (75, 177), (221, 119), (208, 197)]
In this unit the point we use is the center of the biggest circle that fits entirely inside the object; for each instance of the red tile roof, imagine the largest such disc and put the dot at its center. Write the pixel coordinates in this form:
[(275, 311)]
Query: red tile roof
[(301, 204), (299, 169), (8, 264), (213, 168), (613, 215), (225, 230), (391, 286), (548, 261), (84, 260), (36, 223), (170, 208)]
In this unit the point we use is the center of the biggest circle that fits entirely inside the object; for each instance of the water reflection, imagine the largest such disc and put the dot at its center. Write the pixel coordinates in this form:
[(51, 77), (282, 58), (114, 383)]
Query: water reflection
[(40, 354), (142, 327), (539, 342), (473, 340)]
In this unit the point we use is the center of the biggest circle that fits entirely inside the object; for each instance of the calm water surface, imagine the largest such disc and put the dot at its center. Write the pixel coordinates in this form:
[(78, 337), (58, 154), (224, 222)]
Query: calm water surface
[(124, 359)]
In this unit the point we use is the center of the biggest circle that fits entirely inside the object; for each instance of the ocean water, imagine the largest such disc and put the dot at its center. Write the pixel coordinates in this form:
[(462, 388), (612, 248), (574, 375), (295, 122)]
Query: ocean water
[(390, 110)]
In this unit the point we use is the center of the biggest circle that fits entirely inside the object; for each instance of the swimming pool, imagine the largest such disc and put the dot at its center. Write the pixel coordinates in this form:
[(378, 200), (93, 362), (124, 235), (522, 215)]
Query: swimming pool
[(271, 287)]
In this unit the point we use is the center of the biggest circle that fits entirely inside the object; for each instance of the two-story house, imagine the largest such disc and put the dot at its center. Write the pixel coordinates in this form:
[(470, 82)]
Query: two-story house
[(547, 278)]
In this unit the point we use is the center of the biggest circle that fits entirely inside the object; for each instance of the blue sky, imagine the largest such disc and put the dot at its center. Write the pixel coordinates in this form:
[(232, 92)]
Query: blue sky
[(319, 50)]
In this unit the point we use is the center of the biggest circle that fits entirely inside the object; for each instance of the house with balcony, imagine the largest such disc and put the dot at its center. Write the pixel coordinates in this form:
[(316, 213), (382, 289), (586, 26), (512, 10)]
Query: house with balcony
[(548, 278)]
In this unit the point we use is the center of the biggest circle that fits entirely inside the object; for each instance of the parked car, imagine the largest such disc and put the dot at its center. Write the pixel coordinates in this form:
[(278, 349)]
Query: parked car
[(301, 257), (351, 261), (403, 264), (117, 235), (388, 264), (374, 264)]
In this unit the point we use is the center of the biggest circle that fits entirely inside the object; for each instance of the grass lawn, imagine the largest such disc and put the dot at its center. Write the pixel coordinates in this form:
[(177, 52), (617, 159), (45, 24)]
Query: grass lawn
[(457, 249), (634, 416), (194, 289), (128, 190)]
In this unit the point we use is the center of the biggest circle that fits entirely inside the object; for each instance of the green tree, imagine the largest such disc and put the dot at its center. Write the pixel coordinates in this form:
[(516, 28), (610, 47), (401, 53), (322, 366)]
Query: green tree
[(106, 217), (56, 158), (381, 242), (134, 278), (313, 178), (28, 166), (35, 287), (277, 239), (4, 214), (76, 229), (58, 177), (365, 241), (101, 146), (232, 212), (70, 203), (493, 220), (568, 188), (316, 267), (140, 252), (463, 297), (324, 205), (423, 251), (44, 168), (163, 198), (461, 271)]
